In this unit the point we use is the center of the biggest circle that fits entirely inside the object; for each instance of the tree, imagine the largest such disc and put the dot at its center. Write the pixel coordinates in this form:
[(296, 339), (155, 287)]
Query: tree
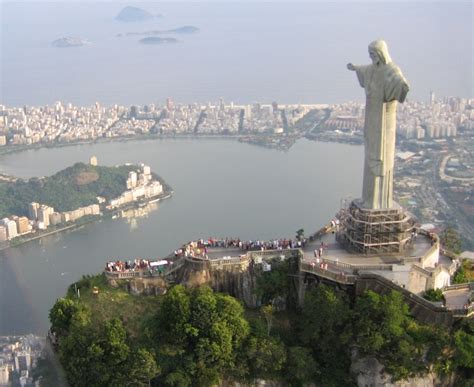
[(266, 357), (95, 354), (325, 326), (384, 329), (464, 345), (268, 312), (61, 315), (451, 240), (172, 321), (199, 333), (300, 234), (434, 295), (275, 283), (462, 274), (143, 368), (302, 369)]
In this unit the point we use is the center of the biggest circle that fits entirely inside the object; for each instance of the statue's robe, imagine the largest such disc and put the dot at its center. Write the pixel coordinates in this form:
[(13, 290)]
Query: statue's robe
[(384, 86)]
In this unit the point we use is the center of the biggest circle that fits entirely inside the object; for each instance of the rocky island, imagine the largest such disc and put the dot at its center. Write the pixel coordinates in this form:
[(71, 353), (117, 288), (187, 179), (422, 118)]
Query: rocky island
[(134, 14), (156, 40), (70, 41)]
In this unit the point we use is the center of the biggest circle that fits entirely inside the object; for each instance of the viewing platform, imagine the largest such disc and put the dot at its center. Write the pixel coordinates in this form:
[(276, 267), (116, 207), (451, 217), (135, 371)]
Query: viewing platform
[(321, 257)]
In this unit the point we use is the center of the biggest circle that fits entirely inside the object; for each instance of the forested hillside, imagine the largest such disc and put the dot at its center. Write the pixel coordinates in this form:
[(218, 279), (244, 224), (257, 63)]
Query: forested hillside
[(73, 187), (195, 337)]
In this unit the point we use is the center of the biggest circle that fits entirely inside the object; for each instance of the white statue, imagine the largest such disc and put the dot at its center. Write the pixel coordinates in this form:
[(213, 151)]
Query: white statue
[(384, 85)]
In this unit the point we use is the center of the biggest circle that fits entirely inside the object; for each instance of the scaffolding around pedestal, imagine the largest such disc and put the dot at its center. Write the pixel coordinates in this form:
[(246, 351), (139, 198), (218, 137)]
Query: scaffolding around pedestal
[(375, 231)]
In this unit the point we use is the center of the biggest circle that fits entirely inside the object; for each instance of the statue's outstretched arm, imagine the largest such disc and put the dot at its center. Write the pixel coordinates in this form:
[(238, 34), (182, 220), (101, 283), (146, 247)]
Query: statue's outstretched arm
[(351, 67)]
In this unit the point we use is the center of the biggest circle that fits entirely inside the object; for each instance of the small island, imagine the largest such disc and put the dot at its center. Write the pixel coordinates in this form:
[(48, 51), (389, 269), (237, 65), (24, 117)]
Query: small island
[(184, 30), (156, 40), (76, 195), (70, 41), (134, 14), (180, 30)]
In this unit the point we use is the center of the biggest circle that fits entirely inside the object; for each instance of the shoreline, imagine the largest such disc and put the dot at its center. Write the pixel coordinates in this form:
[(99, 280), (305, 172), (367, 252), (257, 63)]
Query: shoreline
[(108, 214), (12, 149), (9, 149)]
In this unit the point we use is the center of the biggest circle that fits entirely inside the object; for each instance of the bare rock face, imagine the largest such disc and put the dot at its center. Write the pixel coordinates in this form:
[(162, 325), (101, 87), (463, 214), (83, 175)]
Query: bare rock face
[(197, 278), (147, 286), (113, 283), (240, 282)]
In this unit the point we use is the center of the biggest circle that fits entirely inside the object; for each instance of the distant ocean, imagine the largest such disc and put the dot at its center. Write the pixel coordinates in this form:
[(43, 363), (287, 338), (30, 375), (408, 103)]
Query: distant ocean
[(245, 52)]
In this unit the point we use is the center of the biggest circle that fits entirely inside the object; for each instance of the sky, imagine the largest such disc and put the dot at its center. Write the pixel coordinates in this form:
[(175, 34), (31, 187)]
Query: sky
[(246, 51)]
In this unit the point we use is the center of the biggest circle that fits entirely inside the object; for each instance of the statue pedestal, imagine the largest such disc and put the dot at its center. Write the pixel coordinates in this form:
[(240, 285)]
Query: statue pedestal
[(374, 232)]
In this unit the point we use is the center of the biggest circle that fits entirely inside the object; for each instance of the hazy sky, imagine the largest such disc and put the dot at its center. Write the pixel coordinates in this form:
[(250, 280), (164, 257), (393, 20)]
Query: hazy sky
[(246, 51)]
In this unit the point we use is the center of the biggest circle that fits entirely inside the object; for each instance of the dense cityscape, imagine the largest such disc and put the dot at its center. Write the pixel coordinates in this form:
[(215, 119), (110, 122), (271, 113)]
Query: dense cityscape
[(19, 357), (437, 135), (63, 123)]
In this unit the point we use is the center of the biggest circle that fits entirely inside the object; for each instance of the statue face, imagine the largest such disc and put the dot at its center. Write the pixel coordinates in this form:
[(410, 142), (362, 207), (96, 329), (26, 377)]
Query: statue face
[(374, 56)]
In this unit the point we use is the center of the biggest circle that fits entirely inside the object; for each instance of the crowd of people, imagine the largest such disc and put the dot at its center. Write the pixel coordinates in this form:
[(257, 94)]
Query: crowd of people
[(253, 245), (200, 248), (124, 266)]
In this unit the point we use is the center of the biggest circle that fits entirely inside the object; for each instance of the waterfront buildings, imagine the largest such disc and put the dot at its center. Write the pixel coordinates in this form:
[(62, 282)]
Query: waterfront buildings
[(140, 187), (62, 123)]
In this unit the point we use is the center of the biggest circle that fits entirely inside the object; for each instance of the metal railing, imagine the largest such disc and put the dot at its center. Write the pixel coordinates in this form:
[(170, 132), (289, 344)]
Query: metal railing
[(467, 285), (130, 274), (355, 267), (229, 261), (340, 277)]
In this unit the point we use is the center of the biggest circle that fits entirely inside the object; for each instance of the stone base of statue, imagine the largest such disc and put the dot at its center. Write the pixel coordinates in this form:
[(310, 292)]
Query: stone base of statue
[(375, 232)]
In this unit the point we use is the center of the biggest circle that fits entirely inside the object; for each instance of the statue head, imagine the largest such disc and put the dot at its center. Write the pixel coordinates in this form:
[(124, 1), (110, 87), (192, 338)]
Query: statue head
[(378, 48)]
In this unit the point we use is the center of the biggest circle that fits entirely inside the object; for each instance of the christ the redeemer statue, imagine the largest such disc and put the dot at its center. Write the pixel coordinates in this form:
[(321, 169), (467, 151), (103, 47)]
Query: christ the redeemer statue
[(384, 86)]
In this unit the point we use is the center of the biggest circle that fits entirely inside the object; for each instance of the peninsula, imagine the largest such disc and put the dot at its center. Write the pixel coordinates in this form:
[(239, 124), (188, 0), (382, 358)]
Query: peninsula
[(73, 196)]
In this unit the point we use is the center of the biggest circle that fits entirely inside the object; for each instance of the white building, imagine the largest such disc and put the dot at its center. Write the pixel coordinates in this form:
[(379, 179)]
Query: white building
[(4, 374), (33, 210), (3, 233), (10, 225), (132, 179), (43, 214)]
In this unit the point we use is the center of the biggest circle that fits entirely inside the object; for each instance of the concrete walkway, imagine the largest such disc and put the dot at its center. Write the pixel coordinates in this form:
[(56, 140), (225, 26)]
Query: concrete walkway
[(457, 299)]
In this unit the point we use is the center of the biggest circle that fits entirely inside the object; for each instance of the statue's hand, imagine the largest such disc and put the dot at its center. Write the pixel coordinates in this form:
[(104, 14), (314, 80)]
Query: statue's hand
[(351, 67)]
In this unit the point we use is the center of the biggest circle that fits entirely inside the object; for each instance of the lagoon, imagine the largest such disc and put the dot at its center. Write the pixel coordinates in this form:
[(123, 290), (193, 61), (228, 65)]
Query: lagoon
[(222, 188)]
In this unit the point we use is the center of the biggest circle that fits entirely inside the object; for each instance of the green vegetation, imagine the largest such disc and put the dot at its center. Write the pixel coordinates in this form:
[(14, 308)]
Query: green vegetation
[(195, 337), (276, 284), (451, 240), (465, 273), (384, 329), (434, 295), (71, 188), (98, 335)]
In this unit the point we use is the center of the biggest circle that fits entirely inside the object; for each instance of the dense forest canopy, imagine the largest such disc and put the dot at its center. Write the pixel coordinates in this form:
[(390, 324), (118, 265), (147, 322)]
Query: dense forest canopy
[(196, 337)]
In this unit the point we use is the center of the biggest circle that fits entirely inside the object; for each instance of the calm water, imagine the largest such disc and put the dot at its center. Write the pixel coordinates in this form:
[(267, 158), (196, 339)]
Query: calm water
[(222, 188), (246, 51)]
